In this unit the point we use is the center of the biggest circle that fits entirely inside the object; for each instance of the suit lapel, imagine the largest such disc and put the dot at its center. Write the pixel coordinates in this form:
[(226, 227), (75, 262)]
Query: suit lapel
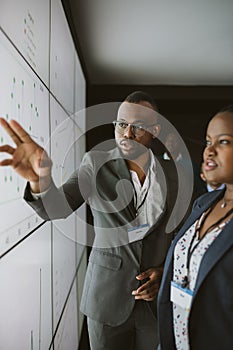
[(217, 249), (201, 206), (121, 170)]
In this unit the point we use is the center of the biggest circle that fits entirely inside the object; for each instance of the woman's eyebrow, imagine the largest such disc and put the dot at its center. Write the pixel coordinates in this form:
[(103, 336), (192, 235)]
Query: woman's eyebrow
[(219, 135)]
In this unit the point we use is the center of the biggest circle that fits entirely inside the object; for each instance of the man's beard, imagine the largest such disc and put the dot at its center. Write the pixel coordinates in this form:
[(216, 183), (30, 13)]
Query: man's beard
[(133, 151)]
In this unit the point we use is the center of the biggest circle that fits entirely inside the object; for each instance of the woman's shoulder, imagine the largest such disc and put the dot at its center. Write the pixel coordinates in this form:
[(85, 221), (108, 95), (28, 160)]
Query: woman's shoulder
[(208, 197)]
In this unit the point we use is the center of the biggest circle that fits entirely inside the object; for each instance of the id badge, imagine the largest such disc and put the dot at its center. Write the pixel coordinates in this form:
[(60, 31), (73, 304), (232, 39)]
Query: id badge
[(137, 232), (181, 296)]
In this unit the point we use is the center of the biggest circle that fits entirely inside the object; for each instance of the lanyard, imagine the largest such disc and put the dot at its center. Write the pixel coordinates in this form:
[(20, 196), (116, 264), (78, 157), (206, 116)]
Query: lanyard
[(191, 249), (142, 202), (136, 195)]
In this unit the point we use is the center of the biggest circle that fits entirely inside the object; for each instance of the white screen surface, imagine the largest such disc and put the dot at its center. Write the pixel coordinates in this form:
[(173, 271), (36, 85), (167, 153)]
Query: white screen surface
[(67, 332), (26, 22), (62, 58), (38, 263), (25, 99), (25, 293), (64, 268)]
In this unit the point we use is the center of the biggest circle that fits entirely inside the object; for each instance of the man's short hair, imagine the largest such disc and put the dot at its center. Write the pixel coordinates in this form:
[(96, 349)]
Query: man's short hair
[(139, 96)]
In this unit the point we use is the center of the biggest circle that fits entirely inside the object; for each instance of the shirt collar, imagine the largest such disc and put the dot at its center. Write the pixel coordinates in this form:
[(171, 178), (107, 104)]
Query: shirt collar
[(151, 168), (167, 157)]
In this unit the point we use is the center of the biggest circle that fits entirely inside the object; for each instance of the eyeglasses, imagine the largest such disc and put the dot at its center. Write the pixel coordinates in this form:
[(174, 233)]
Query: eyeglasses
[(137, 129)]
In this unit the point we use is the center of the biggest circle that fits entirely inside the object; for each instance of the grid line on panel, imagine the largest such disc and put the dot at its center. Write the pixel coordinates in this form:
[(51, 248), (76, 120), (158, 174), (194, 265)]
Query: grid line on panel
[(80, 260), (65, 303), (40, 312), (50, 151), (49, 50), (22, 56), (34, 71), (49, 53), (51, 346), (21, 240), (69, 114), (70, 20)]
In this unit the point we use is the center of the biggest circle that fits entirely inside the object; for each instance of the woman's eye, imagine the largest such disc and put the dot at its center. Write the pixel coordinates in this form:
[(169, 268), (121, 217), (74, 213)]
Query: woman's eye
[(207, 143), (224, 142)]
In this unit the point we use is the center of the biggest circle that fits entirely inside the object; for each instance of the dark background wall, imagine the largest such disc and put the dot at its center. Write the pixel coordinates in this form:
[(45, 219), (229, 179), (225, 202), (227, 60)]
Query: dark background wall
[(188, 108)]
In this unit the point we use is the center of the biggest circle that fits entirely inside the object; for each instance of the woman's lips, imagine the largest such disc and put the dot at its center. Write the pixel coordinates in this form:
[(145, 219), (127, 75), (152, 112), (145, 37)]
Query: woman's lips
[(210, 165)]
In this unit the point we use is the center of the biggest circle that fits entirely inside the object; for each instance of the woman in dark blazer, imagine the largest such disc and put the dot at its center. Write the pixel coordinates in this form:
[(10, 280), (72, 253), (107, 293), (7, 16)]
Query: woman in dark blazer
[(195, 303)]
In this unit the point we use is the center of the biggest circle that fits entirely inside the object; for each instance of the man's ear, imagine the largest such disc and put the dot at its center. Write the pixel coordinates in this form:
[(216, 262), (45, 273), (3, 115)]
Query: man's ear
[(156, 130)]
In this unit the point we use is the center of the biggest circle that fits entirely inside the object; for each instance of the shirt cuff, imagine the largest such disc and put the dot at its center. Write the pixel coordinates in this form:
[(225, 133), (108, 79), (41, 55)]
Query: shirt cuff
[(40, 195)]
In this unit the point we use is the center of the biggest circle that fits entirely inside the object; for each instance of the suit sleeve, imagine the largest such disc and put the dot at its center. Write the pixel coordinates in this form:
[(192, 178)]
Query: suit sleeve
[(61, 202)]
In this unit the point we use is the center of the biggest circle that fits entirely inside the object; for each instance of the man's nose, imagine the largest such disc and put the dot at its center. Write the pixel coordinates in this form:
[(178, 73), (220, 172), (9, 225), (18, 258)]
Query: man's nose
[(128, 132)]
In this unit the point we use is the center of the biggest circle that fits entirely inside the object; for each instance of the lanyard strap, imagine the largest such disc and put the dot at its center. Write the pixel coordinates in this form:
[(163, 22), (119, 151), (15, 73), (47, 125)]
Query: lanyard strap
[(142, 202), (191, 250), (137, 207)]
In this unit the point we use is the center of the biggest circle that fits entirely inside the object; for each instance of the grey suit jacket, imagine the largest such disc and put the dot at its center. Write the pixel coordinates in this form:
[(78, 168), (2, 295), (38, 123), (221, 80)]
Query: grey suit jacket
[(104, 181), (211, 317)]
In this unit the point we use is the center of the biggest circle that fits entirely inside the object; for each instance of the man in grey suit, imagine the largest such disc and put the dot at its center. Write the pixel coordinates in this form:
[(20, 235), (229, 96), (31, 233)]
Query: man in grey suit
[(131, 195)]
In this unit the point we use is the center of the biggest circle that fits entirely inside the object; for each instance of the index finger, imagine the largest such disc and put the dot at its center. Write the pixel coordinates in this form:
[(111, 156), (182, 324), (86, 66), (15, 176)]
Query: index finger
[(20, 131), (145, 286), (15, 131), (6, 126)]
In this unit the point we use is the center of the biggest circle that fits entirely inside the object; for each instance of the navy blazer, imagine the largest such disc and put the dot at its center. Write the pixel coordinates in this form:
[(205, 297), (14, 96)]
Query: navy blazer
[(210, 325)]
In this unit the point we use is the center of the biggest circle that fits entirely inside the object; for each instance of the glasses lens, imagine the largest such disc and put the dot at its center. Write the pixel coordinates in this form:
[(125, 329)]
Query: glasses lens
[(122, 126), (138, 130)]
